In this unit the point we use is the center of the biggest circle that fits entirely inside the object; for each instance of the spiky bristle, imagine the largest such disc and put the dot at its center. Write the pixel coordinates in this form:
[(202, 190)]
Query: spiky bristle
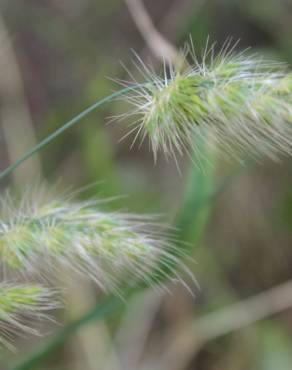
[(115, 250), (21, 303), (239, 103)]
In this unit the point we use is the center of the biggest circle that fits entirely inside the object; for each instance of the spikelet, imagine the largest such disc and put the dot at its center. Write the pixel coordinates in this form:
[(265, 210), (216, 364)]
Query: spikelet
[(19, 304), (238, 103), (115, 250)]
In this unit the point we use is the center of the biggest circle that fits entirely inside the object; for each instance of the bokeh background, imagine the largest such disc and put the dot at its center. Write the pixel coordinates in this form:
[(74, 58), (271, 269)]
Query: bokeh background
[(59, 56)]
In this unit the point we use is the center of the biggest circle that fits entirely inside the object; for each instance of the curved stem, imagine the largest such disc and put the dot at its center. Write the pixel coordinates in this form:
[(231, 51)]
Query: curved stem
[(65, 127), (98, 312), (199, 191)]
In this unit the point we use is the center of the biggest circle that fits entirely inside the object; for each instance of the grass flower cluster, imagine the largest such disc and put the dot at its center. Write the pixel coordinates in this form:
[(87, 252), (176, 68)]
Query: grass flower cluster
[(19, 304), (41, 236), (240, 104)]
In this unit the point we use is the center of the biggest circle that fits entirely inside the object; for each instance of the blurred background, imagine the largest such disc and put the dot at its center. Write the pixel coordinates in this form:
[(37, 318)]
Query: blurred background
[(59, 56)]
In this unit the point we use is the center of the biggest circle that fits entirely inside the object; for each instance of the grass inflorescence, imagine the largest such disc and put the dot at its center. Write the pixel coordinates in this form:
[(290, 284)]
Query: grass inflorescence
[(42, 235), (107, 246), (236, 102), (20, 303)]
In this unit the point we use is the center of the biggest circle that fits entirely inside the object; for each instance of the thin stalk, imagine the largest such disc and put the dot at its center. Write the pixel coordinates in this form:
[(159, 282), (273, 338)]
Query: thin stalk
[(98, 312), (198, 195), (65, 127)]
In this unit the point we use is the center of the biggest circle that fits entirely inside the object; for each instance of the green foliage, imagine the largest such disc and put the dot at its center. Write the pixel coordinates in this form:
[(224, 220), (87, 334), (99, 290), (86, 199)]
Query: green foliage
[(36, 357)]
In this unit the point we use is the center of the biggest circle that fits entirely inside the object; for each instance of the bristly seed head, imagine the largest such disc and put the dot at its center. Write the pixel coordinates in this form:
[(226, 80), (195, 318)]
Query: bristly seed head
[(19, 304), (239, 103), (39, 237), (115, 250)]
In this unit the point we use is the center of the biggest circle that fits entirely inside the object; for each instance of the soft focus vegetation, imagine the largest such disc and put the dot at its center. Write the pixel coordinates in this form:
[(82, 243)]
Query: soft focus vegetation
[(232, 218)]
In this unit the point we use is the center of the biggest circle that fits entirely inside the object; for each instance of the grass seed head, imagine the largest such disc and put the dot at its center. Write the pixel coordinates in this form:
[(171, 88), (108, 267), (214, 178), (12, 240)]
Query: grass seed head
[(19, 305), (239, 103), (112, 249)]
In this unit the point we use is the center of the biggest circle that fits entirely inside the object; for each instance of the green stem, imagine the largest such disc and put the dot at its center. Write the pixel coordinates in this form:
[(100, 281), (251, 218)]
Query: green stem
[(65, 127), (199, 191), (97, 313)]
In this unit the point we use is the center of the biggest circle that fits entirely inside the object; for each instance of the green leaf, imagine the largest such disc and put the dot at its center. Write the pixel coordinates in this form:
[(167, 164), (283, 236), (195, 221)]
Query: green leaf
[(199, 189), (98, 312)]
